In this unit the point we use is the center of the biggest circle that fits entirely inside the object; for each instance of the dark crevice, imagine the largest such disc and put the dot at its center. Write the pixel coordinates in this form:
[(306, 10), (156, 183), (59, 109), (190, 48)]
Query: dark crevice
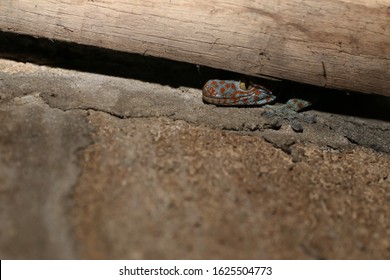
[(92, 59)]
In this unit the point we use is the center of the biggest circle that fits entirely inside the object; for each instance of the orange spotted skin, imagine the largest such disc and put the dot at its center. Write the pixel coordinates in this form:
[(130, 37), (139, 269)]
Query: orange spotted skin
[(296, 104), (229, 93)]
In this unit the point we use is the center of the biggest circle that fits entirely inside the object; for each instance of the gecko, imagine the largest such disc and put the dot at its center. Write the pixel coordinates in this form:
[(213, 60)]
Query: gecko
[(243, 93)]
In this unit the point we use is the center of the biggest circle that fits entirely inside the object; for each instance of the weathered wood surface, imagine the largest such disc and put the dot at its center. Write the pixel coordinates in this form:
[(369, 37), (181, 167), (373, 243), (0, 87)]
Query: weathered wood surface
[(333, 43)]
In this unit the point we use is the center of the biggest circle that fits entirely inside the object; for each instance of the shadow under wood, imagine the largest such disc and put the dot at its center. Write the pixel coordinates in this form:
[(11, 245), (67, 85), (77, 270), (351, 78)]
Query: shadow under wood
[(92, 59)]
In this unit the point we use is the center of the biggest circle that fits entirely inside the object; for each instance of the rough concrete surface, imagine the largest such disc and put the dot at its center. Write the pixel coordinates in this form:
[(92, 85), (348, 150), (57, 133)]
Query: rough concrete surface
[(101, 167)]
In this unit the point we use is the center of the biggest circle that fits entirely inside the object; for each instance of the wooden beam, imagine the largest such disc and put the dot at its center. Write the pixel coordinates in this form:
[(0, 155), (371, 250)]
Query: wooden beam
[(341, 44)]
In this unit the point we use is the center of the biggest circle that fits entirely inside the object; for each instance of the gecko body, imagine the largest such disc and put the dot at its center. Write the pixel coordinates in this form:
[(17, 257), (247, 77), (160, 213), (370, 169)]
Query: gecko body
[(239, 93)]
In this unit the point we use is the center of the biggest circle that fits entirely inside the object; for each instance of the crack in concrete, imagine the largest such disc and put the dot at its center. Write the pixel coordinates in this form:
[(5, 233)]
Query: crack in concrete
[(126, 99)]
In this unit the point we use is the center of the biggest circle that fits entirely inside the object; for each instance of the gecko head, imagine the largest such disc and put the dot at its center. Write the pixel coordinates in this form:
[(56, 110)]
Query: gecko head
[(236, 93)]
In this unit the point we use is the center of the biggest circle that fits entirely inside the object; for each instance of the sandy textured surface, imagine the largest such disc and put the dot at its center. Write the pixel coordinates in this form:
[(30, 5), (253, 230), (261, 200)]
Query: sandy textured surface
[(93, 166)]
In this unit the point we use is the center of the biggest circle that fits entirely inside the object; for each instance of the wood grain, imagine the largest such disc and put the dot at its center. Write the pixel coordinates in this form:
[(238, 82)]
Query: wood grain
[(341, 44)]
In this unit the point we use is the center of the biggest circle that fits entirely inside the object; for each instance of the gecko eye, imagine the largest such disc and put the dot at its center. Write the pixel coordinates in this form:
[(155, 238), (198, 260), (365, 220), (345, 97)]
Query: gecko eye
[(245, 85)]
